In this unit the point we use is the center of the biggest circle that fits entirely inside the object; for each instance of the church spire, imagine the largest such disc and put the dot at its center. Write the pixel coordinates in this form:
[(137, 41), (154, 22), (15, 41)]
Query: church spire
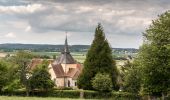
[(66, 50)]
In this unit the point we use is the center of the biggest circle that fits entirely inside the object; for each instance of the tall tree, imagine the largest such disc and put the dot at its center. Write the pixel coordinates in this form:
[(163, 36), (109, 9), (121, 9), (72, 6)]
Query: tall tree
[(99, 59), (22, 60), (131, 77), (154, 56)]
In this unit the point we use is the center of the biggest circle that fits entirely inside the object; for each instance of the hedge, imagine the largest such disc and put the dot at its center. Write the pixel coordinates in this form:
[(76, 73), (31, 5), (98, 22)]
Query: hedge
[(75, 94)]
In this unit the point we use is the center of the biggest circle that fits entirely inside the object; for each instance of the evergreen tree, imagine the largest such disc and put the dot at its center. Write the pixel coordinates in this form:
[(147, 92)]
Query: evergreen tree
[(98, 60), (154, 57)]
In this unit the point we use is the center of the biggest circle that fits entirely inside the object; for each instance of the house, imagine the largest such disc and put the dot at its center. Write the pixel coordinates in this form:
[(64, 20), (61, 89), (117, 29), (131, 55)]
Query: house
[(65, 69)]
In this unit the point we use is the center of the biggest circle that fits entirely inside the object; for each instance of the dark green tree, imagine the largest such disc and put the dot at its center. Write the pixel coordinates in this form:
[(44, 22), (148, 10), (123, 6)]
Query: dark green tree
[(154, 57), (98, 60), (41, 80)]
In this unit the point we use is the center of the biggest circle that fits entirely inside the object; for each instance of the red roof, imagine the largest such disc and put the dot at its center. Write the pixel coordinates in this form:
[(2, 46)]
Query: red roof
[(72, 73)]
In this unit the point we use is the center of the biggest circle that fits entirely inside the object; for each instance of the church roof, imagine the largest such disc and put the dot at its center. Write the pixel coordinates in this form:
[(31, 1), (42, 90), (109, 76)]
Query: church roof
[(58, 70), (72, 73), (65, 57)]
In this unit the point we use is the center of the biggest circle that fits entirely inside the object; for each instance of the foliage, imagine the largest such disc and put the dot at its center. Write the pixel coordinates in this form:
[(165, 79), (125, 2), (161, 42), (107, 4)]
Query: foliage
[(154, 56), (13, 85), (132, 78), (22, 60), (34, 98), (124, 69), (3, 74), (102, 82), (88, 94), (41, 80), (98, 59), (54, 56)]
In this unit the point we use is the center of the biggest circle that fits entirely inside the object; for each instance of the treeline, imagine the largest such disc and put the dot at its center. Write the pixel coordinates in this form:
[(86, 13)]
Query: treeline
[(41, 47), (56, 48)]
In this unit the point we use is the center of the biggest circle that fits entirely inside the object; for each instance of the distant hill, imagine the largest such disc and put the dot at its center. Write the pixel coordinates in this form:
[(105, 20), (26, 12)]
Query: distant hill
[(54, 48)]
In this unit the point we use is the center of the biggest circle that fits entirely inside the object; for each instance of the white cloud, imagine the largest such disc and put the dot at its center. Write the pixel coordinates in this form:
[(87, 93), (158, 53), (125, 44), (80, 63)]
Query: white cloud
[(28, 28), (30, 8), (10, 35), (39, 20)]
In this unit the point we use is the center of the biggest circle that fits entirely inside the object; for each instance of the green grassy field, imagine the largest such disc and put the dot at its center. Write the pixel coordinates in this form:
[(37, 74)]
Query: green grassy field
[(78, 56), (35, 98)]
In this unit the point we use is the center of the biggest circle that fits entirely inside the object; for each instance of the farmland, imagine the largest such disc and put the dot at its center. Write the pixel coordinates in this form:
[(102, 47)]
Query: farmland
[(78, 56)]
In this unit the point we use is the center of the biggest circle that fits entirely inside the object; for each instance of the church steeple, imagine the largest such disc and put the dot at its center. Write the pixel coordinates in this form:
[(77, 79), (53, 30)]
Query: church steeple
[(65, 57), (66, 49)]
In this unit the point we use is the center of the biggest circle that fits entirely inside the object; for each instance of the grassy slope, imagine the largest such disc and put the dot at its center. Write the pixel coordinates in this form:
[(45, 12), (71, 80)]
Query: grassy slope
[(34, 98)]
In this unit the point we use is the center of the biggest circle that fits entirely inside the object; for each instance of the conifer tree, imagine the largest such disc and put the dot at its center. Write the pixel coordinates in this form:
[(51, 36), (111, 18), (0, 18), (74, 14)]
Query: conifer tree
[(98, 60)]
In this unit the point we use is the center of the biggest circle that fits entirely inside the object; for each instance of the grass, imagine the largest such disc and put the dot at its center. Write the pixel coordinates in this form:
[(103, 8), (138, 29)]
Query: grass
[(35, 98), (79, 56)]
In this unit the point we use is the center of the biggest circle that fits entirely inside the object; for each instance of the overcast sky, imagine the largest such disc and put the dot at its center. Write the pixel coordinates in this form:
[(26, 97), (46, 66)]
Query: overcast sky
[(46, 21)]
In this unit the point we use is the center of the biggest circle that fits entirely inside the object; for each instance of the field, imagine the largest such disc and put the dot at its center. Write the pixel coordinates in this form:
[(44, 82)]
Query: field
[(78, 56), (35, 98)]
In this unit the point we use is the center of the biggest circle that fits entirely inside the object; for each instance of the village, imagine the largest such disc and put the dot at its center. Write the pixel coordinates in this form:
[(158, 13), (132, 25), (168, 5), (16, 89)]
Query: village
[(84, 50)]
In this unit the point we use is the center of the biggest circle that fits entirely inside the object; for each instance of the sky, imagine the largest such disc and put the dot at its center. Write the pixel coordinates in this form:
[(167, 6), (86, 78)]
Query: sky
[(47, 21)]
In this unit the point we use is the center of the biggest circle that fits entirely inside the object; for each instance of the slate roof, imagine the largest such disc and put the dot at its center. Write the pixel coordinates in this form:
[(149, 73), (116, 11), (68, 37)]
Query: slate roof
[(65, 57)]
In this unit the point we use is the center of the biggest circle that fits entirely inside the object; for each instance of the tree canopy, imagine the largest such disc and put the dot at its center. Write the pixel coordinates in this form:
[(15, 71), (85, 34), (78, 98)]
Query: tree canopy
[(154, 56)]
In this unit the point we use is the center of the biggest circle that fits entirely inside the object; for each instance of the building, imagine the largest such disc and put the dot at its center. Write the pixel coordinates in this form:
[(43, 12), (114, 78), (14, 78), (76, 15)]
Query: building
[(65, 69)]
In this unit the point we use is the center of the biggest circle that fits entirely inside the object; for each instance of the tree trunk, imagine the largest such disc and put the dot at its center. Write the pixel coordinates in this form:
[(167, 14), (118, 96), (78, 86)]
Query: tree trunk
[(27, 92), (81, 94), (163, 96)]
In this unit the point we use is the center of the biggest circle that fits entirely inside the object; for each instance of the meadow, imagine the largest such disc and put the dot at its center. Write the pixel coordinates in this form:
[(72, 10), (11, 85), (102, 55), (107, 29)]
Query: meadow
[(78, 56)]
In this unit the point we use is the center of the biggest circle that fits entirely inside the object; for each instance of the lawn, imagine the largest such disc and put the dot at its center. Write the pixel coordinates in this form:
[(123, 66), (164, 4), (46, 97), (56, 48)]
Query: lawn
[(35, 98)]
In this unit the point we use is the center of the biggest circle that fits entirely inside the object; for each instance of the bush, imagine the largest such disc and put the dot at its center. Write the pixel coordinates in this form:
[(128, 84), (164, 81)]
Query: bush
[(76, 94), (102, 83), (125, 95), (63, 88)]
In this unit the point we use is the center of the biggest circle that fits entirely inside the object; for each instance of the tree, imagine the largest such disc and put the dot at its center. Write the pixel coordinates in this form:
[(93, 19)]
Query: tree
[(54, 56), (154, 57), (132, 77), (98, 60), (102, 83), (22, 60), (3, 75), (40, 79)]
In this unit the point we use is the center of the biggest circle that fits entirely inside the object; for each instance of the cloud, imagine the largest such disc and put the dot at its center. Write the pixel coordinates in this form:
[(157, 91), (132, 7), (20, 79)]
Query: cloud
[(22, 9), (10, 35), (120, 18), (28, 28)]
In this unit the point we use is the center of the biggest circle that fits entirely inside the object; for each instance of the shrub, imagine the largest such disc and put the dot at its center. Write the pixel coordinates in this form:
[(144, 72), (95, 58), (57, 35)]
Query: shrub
[(102, 82), (76, 94)]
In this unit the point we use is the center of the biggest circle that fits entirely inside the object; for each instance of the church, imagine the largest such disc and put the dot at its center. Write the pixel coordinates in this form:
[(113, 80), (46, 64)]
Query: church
[(65, 69)]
